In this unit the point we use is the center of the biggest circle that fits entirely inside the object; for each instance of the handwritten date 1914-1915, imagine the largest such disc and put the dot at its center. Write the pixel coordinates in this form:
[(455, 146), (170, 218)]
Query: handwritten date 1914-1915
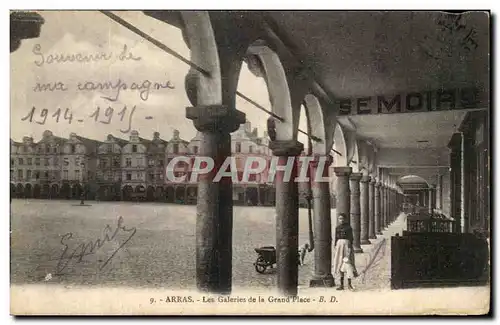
[(104, 116), (85, 249)]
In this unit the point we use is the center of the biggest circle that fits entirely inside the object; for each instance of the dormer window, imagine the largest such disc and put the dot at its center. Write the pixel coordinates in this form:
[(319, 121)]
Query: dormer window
[(134, 148), (73, 148)]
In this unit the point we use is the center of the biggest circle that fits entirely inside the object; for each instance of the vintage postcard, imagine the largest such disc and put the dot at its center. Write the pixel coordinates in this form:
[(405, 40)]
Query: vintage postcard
[(196, 162)]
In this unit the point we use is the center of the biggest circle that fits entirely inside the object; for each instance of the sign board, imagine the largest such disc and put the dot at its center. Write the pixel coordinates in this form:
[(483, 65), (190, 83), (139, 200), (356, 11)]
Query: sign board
[(429, 101)]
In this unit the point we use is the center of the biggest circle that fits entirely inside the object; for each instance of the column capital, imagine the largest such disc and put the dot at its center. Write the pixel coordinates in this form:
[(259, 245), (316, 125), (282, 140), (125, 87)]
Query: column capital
[(215, 118), (342, 171), (316, 159), (286, 148), (356, 176), (365, 179)]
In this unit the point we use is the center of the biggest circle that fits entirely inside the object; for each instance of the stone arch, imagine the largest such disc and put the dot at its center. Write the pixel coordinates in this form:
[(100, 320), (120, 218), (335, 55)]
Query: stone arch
[(150, 193), (170, 194), (315, 117), (340, 145), (266, 63), (413, 178), (354, 161), (127, 192), (199, 36), (12, 190), (28, 191), (19, 190)]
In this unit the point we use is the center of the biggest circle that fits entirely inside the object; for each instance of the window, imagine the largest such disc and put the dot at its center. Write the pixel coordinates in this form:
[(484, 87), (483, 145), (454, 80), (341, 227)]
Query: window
[(134, 148), (238, 147), (30, 161), (65, 174), (47, 149), (21, 162), (109, 175), (128, 162), (176, 148), (73, 148), (46, 174), (25, 149), (161, 162), (28, 174), (37, 161), (139, 162), (12, 162), (20, 174), (46, 161), (151, 177), (54, 149), (104, 163), (195, 150), (109, 148), (129, 176), (37, 174), (151, 162), (77, 174), (116, 162), (160, 176)]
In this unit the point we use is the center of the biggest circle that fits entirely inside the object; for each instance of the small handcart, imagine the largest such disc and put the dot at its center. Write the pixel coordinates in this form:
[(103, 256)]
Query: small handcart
[(266, 258)]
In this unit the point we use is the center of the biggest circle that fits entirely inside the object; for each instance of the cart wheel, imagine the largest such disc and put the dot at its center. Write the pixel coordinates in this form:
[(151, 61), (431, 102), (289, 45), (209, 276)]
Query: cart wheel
[(260, 265)]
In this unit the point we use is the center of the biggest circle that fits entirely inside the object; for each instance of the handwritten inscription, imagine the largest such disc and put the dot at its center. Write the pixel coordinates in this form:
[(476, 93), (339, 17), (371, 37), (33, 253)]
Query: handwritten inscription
[(61, 58), (453, 36), (144, 88), (103, 116), (85, 249)]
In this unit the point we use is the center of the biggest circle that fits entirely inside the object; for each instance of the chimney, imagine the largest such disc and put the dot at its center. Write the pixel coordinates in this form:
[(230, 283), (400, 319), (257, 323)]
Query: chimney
[(134, 136), (156, 135)]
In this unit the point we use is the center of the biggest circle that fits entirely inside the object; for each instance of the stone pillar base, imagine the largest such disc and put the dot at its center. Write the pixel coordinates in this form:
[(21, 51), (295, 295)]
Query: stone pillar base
[(326, 282), (358, 250), (365, 242)]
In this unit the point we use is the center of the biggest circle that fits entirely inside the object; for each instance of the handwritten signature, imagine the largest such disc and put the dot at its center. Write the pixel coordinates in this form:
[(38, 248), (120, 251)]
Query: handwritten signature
[(86, 249)]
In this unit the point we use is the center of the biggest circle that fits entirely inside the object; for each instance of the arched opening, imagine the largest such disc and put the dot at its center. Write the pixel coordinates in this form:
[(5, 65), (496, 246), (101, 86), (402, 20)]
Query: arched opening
[(252, 196), (192, 193), (262, 195), (355, 162), (54, 191), (127, 193), (65, 192), (180, 195), (415, 189), (28, 191), (45, 191), (76, 191), (150, 194), (159, 196), (37, 191), (12, 190), (20, 190), (140, 193), (170, 195)]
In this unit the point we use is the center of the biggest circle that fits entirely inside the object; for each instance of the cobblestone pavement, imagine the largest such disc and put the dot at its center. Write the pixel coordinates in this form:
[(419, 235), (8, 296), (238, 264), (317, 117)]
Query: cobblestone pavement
[(160, 254)]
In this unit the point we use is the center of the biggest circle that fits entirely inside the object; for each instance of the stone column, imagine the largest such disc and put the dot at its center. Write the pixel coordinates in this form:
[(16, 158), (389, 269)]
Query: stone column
[(385, 206), (322, 276), (433, 197), (214, 222), (455, 197), (355, 211), (287, 217), (372, 215), (365, 209), (378, 204), (343, 201), (439, 191), (430, 194)]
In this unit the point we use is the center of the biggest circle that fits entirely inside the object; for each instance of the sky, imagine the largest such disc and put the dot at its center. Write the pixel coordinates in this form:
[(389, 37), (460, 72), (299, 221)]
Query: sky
[(89, 32)]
